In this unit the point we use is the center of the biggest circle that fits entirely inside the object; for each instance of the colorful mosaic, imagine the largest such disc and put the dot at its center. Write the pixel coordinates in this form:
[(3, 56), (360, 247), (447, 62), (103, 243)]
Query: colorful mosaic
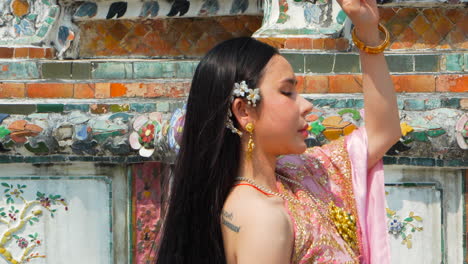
[(154, 130), (17, 219), (26, 22)]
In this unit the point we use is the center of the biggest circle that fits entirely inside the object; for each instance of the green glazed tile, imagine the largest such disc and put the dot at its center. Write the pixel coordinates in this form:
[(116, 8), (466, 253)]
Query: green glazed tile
[(426, 63), (341, 17), (19, 70), (404, 160), (143, 107), (49, 20), (111, 70), (50, 108), (169, 69), (5, 159), (56, 70), (185, 69), (359, 103), (343, 103), (163, 107), (296, 61), (454, 62), (17, 109), (422, 162), (79, 107), (17, 159), (42, 31), (446, 102), (147, 70), (400, 63), (435, 132), (389, 160), (319, 63), (324, 102), (119, 108), (420, 136), (347, 63), (414, 104), (432, 103), (81, 70)]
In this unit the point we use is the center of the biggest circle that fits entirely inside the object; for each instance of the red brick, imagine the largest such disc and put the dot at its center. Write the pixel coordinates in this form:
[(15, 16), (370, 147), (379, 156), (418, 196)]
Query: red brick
[(318, 43), (452, 83), (155, 90), (102, 90), (117, 90), (84, 90), (49, 53), (464, 105), (316, 84), (21, 53), (300, 83), (345, 84), (176, 89), (342, 44), (49, 90), (12, 90), (36, 53), (414, 83), (275, 42), (329, 44), (6, 53), (292, 43), (136, 89)]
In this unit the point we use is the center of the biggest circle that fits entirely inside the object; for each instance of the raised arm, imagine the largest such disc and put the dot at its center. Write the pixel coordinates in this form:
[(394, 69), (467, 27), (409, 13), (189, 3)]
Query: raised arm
[(382, 120)]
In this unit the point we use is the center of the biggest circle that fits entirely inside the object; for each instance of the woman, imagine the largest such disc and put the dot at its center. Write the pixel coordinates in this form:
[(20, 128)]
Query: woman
[(234, 201)]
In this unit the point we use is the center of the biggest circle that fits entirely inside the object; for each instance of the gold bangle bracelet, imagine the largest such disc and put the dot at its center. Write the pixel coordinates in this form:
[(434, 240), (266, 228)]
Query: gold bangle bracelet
[(372, 49)]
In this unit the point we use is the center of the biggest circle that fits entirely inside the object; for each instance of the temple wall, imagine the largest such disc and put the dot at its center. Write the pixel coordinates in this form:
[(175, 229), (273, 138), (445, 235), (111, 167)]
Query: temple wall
[(91, 108)]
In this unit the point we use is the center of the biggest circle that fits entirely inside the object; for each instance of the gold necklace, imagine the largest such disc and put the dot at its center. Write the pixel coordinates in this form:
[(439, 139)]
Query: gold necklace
[(343, 221)]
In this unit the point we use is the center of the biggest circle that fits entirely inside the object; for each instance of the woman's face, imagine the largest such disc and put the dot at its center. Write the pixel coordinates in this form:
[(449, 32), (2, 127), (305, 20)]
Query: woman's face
[(280, 125)]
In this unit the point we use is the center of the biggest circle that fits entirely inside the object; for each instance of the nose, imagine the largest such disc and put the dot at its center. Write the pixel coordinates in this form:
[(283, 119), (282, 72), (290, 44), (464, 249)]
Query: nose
[(305, 106)]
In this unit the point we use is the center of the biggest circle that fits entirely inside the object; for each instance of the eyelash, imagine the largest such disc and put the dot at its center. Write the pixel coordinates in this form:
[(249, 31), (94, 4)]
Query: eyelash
[(287, 93)]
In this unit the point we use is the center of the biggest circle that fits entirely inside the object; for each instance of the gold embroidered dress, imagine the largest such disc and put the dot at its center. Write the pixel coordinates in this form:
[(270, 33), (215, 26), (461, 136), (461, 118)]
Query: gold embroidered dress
[(326, 174)]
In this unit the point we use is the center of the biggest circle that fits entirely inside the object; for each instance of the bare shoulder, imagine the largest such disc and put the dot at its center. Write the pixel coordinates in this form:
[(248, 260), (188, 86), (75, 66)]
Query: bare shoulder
[(256, 227)]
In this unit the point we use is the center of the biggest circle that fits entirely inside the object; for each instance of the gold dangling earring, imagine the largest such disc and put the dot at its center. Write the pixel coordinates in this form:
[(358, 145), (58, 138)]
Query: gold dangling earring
[(250, 145)]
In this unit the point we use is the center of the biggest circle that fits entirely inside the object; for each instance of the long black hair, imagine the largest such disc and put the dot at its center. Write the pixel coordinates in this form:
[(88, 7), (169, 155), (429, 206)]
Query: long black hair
[(209, 156)]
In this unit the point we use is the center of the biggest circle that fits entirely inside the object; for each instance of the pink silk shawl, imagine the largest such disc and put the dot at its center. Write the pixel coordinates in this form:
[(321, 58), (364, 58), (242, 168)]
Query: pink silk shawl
[(369, 192)]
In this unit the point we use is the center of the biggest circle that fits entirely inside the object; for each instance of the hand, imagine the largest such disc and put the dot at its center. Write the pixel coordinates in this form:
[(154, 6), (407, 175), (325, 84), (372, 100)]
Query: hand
[(364, 15)]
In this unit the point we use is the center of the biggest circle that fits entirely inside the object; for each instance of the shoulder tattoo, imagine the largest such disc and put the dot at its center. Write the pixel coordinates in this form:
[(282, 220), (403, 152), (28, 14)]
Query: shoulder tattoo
[(226, 219)]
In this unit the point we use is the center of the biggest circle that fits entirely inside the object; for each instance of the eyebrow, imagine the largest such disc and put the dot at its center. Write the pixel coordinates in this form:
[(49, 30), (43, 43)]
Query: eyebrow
[(292, 81)]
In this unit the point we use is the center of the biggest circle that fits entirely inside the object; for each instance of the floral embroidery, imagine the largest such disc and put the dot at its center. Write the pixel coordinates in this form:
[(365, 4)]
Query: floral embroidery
[(328, 167)]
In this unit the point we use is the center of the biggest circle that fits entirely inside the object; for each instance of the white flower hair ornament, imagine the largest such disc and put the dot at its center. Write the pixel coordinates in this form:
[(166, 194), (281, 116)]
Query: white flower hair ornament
[(241, 90)]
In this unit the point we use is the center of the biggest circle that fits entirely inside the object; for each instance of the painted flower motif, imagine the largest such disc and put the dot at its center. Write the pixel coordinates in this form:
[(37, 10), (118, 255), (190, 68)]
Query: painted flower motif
[(45, 202), (254, 96), (395, 227), (147, 135), (147, 132), (22, 242)]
